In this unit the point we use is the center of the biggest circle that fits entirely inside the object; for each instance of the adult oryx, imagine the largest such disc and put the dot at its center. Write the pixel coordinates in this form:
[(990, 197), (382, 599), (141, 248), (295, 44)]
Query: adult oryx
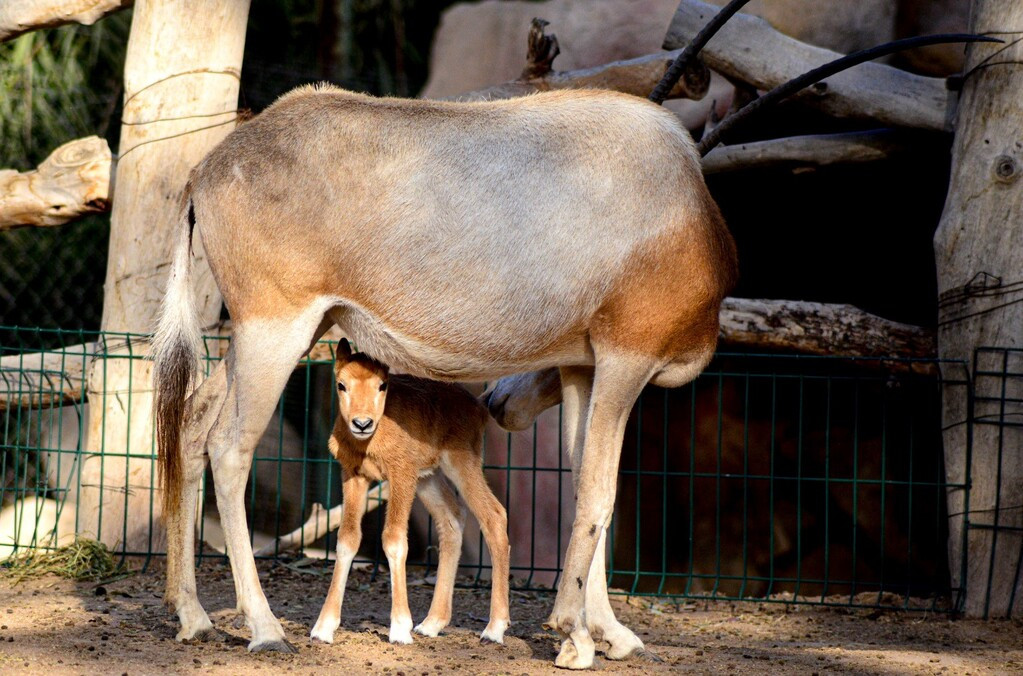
[(458, 241)]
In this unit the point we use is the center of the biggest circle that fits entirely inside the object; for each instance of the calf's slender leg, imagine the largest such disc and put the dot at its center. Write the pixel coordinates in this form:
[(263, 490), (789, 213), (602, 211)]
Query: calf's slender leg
[(466, 471), (449, 518), (349, 537), (395, 542)]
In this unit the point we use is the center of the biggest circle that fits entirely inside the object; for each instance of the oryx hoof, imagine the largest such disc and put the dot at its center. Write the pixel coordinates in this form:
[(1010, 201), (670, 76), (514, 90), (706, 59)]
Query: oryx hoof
[(646, 655), (281, 646), (208, 635), (572, 656)]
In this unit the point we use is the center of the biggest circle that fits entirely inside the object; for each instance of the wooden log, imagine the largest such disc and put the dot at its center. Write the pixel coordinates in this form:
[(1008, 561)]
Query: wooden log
[(22, 16), (72, 182), (636, 76), (181, 80), (44, 379), (978, 249), (320, 522), (804, 152), (820, 329), (748, 49)]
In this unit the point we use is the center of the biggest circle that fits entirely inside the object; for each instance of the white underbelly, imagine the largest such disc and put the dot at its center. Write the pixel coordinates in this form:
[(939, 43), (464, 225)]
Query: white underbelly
[(468, 355)]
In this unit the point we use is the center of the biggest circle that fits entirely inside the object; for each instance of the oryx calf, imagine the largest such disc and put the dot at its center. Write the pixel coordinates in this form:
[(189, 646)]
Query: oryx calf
[(402, 428), (455, 241)]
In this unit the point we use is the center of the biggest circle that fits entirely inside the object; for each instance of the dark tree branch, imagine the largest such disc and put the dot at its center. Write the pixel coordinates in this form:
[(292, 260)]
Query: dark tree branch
[(692, 51)]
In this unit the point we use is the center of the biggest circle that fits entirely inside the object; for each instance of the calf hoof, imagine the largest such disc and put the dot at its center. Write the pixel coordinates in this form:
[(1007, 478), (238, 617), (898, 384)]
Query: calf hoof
[(494, 633), (321, 635), (280, 646), (323, 630), (429, 627), (401, 631)]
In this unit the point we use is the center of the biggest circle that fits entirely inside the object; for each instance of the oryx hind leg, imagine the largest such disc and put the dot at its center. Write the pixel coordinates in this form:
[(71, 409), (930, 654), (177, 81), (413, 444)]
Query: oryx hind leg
[(263, 355), (577, 384), (201, 410), (618, 378)]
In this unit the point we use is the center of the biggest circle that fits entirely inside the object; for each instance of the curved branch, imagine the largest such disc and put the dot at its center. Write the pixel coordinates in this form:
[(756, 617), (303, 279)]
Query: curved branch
[(72, 182), (23, 16), (692, 51), (817, 74), (803, 152)]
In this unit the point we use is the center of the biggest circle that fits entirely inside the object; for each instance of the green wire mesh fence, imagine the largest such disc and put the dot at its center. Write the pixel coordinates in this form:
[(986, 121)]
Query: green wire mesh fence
[(998, 416), (778, 478)]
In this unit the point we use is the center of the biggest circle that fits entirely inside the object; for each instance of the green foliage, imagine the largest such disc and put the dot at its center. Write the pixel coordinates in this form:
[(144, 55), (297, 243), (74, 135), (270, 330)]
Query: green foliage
[(59, 84)]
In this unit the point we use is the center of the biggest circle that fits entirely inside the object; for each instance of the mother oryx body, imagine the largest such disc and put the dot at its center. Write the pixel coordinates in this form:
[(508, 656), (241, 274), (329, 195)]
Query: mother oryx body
[(453, 241)]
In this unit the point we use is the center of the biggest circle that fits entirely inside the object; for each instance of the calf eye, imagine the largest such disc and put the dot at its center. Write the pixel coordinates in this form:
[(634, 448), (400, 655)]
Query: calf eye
[(340, 387), (383, 387)]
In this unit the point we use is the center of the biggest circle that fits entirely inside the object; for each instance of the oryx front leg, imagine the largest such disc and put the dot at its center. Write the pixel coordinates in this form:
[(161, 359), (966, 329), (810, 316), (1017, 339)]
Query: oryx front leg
[(348, 540), (617, 383), (201, 411), (395, 542)]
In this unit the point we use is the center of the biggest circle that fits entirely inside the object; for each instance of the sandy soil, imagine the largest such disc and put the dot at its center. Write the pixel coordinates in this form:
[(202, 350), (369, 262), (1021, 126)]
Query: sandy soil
[(50, 625)]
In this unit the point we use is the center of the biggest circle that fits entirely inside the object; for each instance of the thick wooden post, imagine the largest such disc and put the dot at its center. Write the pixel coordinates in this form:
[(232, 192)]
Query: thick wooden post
[(979, 253), (181, 81)]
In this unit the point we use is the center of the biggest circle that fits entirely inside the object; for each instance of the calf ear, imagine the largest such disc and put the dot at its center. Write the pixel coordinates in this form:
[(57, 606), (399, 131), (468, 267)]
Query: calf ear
[(344, 349)]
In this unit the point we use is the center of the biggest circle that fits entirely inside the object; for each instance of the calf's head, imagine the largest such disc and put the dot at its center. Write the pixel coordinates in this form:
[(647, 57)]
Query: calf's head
[(361, 390)]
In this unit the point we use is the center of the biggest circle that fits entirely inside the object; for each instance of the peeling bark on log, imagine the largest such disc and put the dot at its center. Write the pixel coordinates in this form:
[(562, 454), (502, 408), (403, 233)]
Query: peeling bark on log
[(23, 16), (821, 329), (804, 152), (978, 248), (748, 49), (72, 182)]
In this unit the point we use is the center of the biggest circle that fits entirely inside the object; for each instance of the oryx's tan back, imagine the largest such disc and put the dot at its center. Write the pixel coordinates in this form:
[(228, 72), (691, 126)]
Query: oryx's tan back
[(470, 240)]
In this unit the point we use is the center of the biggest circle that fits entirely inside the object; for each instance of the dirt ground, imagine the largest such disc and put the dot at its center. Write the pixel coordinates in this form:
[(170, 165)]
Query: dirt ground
[(50, 625)]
